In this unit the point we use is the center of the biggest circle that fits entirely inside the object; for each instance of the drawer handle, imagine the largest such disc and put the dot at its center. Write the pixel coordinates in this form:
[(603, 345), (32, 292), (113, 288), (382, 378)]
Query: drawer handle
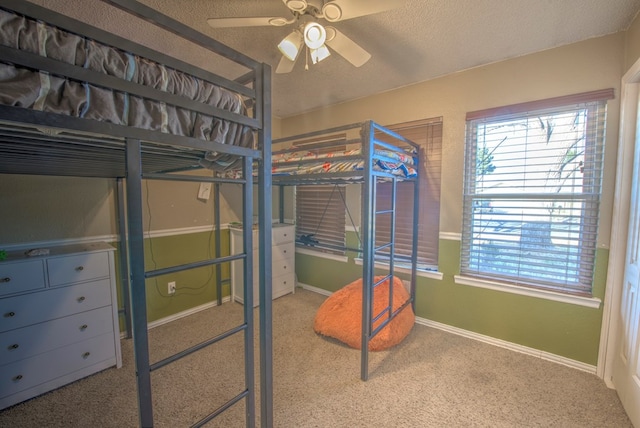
[(81, 299), (80, 268), (17, 378), (10, 314), (5, 279), (14, 346), (86, 355), (83, 327)]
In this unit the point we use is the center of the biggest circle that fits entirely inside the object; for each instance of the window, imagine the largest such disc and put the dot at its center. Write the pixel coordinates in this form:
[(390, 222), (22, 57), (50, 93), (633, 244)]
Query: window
[(320, 216), (532, 190), (320, 209), (428, 134)]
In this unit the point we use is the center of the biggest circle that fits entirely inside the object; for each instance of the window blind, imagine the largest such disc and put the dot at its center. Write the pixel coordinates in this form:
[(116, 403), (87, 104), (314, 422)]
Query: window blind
[(320, 209), (532, 190), (428, 134), (320, 214)]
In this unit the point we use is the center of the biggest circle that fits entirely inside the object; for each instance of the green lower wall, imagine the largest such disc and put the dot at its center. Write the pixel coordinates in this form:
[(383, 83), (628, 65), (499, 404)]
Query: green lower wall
[(562, 329), (194, 287)]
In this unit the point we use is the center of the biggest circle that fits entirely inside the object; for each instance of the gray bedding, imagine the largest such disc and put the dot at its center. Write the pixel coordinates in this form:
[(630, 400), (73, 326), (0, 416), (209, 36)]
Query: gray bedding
[(37, 90)]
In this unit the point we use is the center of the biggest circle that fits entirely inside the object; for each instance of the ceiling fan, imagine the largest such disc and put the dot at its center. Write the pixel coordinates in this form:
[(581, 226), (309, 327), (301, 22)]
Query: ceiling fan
[(311, 36)]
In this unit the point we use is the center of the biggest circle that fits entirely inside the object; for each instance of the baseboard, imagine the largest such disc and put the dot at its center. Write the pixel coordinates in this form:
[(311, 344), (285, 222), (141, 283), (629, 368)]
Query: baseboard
[(179, 315), (314, 289), (487, 339), (186, 313), (509, 345)]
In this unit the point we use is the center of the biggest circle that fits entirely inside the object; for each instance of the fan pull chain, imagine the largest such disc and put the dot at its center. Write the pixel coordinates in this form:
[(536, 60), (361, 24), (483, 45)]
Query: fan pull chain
[(306, 58)]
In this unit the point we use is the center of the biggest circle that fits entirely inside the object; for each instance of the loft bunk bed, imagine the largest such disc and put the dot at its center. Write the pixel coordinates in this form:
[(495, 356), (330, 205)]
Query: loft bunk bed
[(369, 154), (79, 101)]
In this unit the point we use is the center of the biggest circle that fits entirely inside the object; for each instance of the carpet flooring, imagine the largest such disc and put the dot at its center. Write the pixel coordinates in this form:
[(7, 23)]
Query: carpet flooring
[(431, 379)]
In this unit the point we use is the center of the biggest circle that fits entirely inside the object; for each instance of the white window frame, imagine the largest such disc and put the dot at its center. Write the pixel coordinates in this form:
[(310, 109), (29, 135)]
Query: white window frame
[(473, 270)]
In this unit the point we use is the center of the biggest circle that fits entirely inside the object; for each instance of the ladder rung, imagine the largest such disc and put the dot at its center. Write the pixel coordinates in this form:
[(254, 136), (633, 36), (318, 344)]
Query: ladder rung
[(386, 277), (194, 265), (382, 247), (380, 327), (197, 347), (221, 409), (384, 311)]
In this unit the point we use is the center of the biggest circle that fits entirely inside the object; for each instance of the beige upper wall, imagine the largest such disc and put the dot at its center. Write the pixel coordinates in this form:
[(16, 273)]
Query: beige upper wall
[(586, 66), (44, 208), (41, 208), (37, 208)]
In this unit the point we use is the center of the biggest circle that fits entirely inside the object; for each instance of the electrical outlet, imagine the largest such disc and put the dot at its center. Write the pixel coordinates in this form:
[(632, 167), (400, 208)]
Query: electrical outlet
[(171, 287)]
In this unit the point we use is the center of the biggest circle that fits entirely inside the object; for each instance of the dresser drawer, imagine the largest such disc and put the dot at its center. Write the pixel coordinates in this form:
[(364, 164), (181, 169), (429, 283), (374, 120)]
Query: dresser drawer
[(17, 277), (282, 267), (283, 284), (279, 234), (29, 372), (28, 309), (282, 234), (43, 337), (280, 260), (283, 251), (77, 268)]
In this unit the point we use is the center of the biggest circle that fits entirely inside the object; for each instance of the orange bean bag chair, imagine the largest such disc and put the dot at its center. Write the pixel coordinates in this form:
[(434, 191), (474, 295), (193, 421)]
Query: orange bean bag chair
[(340, 316)]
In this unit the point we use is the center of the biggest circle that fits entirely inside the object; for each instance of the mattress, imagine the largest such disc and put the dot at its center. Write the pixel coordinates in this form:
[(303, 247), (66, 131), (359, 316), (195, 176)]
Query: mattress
[(298, 163), (33, 89)]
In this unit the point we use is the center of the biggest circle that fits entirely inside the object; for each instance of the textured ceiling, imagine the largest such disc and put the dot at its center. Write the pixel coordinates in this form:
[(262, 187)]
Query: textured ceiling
[(419, 41)]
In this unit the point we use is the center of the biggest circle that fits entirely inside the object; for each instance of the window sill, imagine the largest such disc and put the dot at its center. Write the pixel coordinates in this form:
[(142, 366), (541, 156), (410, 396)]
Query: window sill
[(335, 257), (423, 273), (589, 302)]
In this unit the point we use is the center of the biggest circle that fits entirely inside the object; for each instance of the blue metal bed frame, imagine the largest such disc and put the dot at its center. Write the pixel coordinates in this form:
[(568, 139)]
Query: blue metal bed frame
[(135, 154), (372, 136)]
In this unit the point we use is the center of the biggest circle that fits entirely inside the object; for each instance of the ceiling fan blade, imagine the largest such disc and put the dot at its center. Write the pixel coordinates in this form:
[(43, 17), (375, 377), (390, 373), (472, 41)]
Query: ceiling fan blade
[(339, 10), (249, 21), (285, 65), (346, 47)]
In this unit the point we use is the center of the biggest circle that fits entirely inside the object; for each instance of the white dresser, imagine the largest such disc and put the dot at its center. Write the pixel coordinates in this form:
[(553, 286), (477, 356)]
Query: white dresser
[(283, 262), (58, 319)]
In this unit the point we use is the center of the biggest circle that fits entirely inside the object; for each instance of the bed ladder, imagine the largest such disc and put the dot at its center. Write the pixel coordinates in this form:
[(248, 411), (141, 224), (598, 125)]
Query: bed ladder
[(138, 294), (370, 248), (387, 249)]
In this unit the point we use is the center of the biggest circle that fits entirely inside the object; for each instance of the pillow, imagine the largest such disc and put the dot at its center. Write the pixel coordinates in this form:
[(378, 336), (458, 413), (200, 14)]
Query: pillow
[(340, 315)]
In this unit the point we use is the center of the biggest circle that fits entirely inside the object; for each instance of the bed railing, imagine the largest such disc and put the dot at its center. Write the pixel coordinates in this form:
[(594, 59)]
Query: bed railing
[(248, 89)]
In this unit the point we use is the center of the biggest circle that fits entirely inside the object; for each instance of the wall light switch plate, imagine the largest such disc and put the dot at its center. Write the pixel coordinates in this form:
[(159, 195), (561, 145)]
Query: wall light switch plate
[(204, 191)]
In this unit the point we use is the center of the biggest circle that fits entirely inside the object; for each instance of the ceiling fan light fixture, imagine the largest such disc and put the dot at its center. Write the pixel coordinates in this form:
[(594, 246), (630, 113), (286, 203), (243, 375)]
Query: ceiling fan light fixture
[(331, 34), (290, 45), (319, 54), (314, 35), (296, 5), (331, 12), (279, 22)]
